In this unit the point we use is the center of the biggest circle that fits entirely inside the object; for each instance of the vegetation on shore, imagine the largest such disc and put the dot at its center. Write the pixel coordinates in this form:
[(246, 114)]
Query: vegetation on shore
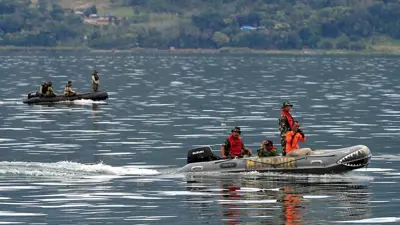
[(274, 25)]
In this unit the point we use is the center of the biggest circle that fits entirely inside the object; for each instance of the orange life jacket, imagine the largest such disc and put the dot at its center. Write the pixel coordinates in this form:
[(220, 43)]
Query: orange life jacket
[(292, 141), (236, 146)]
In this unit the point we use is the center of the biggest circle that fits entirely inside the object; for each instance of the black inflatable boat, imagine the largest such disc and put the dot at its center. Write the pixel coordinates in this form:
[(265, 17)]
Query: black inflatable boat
[(35, 98)]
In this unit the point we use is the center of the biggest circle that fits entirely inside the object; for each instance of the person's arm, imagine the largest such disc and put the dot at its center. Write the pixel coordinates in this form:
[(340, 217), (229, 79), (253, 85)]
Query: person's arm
[(300, 136), (224, 146), (223, 152), (52, 90), (247, 150), (94, 80), (263, 143), (260, 152), (282, 123)]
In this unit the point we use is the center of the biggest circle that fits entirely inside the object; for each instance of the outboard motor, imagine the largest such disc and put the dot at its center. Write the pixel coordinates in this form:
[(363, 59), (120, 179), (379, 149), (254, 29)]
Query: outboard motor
[(33, 95), (201, 154)]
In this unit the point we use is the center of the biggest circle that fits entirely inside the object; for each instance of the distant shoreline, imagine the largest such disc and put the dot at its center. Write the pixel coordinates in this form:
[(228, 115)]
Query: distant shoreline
[(383, 50)]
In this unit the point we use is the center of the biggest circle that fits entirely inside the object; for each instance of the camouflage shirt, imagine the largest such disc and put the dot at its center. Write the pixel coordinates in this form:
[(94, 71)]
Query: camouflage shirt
[(265, 153), (283, 124)]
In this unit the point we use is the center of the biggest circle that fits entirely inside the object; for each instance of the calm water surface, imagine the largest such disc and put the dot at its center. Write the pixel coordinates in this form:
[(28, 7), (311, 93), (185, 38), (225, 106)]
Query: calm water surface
[(114, 162)]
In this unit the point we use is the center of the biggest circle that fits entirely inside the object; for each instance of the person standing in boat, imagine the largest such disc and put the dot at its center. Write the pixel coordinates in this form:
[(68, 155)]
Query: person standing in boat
[(267, 149), (233, 146), (292, 142), (285, 123), (95, 81), (68, 92)]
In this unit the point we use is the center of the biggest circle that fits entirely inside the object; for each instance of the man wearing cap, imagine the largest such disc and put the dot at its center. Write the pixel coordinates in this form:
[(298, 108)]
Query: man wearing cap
[(95, 81), (285, 123), (267, 149), (43, 89), (233, 146), (68, 92)]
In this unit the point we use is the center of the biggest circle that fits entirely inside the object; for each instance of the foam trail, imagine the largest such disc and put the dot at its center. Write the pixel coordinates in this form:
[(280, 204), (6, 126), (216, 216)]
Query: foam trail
[(82, 102), (89, 102), (11, 102), (65, 168)]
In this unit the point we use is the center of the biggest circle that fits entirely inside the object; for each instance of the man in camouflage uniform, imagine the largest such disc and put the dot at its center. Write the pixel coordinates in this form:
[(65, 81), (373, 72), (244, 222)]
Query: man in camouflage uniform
[(226, 146), (267, 149), (95, 81), (285, 124)]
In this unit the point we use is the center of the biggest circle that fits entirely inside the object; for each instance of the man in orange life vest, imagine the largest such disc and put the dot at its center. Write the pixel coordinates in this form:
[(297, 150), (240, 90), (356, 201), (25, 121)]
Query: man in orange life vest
[(233, 146), (292, 142), (285, 123)]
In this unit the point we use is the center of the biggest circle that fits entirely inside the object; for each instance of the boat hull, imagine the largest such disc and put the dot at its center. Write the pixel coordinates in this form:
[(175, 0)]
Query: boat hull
[(321, 162), (95, 96)]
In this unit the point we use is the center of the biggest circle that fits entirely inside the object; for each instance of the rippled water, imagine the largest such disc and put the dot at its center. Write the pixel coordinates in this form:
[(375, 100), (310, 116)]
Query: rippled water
[(114, 162)]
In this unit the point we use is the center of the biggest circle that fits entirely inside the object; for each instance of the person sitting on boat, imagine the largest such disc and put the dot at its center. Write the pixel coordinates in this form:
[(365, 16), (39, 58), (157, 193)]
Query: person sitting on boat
[(68, 92), (233, 146), (95, 81), (267, 149), (285, 123), (43, 89), (50, 92), (292, 141)]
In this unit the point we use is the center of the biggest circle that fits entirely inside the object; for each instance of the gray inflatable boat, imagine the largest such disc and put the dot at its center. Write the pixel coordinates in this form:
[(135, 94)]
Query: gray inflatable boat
[(340, 160), (34, 98)]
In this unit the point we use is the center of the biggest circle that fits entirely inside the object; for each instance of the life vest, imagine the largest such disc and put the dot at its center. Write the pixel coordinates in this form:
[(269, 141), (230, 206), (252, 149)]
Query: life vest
[(289, 118), (236, 145), (292, 141), (96, 77), (44, 89)]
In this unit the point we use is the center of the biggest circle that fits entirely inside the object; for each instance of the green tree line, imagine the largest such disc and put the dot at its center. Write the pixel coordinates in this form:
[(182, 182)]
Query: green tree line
[(43, 25), (279, 24)]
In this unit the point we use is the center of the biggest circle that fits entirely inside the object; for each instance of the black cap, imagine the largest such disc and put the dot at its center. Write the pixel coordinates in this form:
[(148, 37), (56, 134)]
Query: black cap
[(236, 128), (269, 142)]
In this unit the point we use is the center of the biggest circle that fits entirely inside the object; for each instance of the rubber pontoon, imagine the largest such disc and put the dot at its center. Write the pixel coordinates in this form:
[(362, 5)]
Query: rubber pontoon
[(33, 98), (321, 162)]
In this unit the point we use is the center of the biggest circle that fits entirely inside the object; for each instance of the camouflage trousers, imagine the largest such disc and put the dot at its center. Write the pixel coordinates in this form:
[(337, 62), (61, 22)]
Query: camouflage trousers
[(283, 143), (95, 87)]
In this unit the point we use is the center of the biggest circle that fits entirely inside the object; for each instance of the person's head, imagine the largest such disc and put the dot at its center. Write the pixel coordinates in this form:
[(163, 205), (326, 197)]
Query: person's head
[(69, 84), (296, 125), (45, 84), (236, 131), (286, 106), (269, 145), (95, 72), (50, 84)]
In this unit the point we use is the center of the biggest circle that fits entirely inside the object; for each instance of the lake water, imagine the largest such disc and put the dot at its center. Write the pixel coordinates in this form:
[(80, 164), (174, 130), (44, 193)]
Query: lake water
[(115, 161)]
